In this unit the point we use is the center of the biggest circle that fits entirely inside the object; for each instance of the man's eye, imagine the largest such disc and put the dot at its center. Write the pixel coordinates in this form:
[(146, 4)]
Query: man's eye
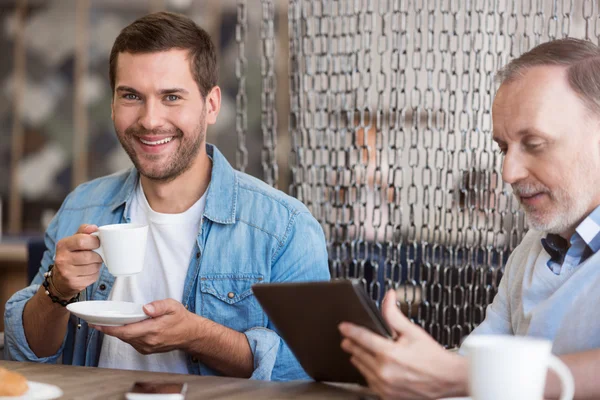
[(172, 97), (532, 146), (130, 96)]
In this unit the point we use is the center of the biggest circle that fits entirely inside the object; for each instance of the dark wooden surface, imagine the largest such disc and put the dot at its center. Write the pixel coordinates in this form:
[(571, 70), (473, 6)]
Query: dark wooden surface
[(101, 383)]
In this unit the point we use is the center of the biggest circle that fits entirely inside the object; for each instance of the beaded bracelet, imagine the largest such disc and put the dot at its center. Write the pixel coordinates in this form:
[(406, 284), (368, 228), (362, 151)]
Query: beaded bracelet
[(54, 298)]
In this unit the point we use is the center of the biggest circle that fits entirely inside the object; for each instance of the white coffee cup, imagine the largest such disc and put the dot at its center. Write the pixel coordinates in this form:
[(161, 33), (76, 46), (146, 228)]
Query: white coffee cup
[(122, 247), (503, 367)]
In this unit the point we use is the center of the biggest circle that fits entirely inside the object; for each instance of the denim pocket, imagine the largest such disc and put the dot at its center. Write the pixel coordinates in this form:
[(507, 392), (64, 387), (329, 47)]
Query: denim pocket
[(227, 299)]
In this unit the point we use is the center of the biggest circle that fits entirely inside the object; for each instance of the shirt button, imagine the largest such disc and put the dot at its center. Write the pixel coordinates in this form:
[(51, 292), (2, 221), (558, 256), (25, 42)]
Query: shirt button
[(187, 307), (198, 254), (231, 295), (103, 287), (194, 359)]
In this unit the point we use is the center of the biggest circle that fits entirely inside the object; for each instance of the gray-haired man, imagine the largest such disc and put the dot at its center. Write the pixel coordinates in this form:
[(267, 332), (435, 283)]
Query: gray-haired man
[(547, 123)]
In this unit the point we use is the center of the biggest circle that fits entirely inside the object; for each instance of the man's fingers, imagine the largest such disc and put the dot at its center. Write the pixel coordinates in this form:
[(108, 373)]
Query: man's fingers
[(89, 271), (87, 228), (78, 242), (73, 271), (162, 307), (394, 317), (365, 371), (365, 338), (367, 358), (116, 331), (85, 257), (75, 264), (381, 377), (127, 332)]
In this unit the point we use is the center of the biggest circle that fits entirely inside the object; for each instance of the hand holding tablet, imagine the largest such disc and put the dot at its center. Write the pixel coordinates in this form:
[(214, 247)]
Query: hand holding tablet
[(307, 316)]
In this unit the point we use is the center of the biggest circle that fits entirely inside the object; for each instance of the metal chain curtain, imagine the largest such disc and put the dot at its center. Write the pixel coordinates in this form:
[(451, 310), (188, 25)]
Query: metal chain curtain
[(390, 119)]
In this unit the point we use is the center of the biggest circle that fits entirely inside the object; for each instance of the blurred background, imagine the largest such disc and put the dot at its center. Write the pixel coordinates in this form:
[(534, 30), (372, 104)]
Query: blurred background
[(55, 63)]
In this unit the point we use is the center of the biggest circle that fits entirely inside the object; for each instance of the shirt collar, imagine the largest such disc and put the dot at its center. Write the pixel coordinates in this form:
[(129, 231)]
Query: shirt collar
[(588, 231), (221, 199), (222, 196)]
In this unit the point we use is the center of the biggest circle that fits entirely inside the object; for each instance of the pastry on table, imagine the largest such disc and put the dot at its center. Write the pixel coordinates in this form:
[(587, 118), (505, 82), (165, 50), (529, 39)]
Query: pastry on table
[(12, 383)]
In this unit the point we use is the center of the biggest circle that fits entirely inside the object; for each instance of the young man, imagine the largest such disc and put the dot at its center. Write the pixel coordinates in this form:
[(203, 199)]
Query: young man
[(546, 118), (213, 231)]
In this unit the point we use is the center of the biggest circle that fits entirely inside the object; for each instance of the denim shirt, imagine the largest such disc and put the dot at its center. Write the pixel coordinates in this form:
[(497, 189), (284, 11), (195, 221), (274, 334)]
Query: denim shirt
[(250, 233)]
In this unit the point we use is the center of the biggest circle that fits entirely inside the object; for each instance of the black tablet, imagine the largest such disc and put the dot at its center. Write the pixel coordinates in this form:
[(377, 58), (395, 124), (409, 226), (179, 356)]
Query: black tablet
[(307, 315)]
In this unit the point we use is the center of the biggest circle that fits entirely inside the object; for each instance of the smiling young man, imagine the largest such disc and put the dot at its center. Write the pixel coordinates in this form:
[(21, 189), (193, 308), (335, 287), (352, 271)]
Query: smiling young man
[(213, 232), (546, 117)]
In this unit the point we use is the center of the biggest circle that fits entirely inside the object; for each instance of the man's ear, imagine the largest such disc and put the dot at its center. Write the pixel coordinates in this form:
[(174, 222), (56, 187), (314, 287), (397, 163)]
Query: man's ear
[(213, 105)]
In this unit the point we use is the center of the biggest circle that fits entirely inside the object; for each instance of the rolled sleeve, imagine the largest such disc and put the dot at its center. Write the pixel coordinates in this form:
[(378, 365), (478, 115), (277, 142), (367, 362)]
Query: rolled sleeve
[(265, 345), (16, 347), (302, 257)]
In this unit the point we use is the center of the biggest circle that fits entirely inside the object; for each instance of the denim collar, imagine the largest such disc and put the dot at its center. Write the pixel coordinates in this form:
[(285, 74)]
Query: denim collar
[(221, 199)]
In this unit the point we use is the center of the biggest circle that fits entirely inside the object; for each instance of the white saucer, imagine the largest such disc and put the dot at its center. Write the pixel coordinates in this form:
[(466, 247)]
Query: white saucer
[(108, 313), (38, 391), (456, 398)]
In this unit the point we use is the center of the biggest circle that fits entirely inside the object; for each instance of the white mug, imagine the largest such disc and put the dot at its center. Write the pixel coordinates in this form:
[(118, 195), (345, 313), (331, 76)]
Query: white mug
[(503, 367), (122, 248)]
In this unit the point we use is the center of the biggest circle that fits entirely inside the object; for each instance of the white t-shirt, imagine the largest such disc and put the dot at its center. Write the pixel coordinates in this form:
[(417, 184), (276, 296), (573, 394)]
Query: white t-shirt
[(171, 239)]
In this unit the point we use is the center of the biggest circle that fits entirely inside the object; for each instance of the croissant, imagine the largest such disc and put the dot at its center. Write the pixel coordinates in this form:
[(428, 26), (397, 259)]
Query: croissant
[(12, 383)]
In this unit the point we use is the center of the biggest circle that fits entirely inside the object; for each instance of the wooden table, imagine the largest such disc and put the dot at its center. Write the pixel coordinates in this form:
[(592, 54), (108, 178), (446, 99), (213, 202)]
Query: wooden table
[(101, 383)]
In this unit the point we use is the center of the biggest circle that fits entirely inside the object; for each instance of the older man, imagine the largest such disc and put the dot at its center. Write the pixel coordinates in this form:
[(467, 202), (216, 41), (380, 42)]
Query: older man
[(546, 117)]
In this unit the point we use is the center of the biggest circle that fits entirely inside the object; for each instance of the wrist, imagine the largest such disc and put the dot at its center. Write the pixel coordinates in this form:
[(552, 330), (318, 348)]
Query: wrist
[(192, 334), (456, 376), (55, 291), (57, 288), (52, 293)]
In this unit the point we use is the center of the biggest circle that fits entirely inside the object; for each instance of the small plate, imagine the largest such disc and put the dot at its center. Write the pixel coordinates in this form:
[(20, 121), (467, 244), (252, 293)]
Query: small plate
[(456, 398), (38, 391), (108, 313)]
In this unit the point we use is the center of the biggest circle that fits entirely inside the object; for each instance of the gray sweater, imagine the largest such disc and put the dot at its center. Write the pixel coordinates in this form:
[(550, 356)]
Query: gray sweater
[(533, 301)]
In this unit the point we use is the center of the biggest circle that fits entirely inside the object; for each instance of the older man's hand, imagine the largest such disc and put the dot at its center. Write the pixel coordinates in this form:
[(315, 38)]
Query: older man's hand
[(171, 327), (414, 366)]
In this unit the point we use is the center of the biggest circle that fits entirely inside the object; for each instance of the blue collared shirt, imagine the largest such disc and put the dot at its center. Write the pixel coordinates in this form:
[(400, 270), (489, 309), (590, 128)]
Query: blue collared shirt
[(250, 233), (583, 243)]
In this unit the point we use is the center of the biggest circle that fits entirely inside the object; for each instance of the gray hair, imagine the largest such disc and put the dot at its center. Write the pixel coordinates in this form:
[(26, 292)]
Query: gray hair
[(580, 57)]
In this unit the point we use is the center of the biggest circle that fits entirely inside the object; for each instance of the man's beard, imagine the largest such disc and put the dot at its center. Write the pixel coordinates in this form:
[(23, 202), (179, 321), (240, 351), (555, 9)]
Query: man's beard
[(564, 211), (178, 162)]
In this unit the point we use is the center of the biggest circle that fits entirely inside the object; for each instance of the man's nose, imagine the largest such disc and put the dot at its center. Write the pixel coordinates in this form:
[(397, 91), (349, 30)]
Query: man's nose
[(151, 115), (514, 168)]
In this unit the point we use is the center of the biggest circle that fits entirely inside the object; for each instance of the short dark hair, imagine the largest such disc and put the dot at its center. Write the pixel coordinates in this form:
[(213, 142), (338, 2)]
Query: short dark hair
[(580, 57), (163, 31)]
